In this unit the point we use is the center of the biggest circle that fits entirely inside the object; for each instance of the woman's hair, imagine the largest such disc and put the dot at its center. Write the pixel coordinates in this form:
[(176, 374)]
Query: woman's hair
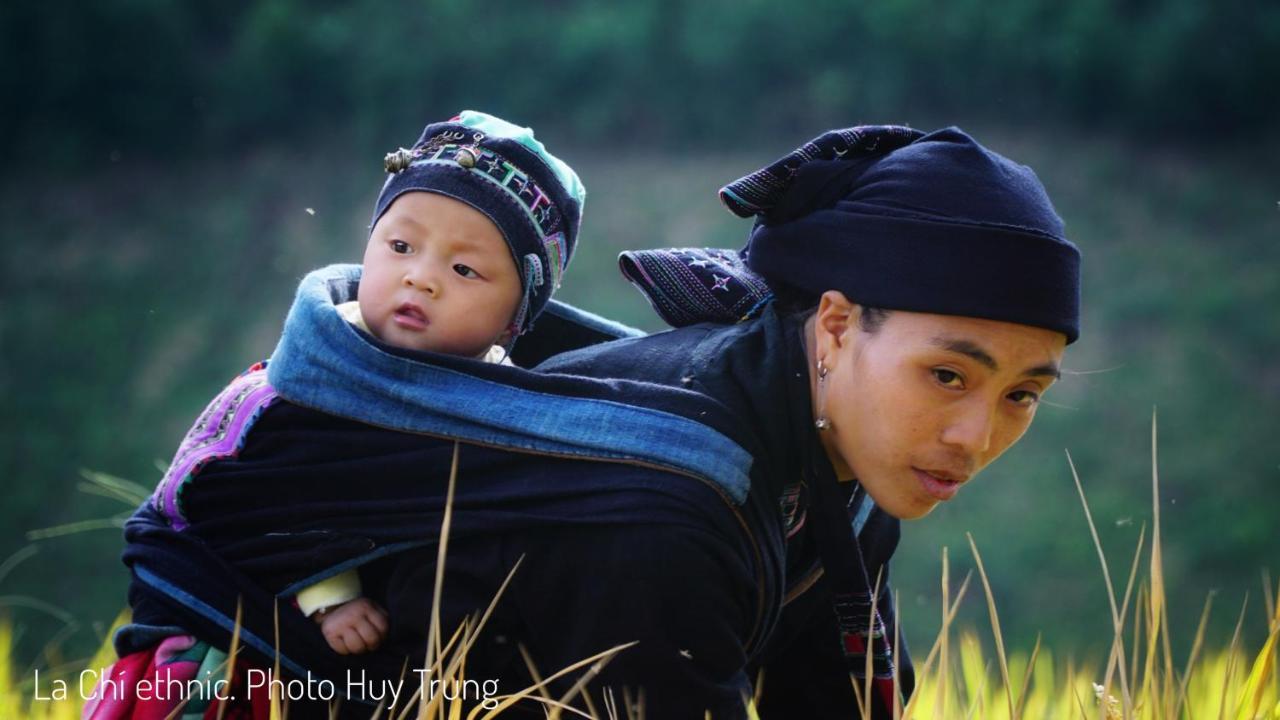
[(871, 319), (794, 302)]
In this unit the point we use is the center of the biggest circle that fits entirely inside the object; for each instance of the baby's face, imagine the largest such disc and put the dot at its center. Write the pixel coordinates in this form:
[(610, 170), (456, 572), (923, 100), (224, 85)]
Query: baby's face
[(438, 276)]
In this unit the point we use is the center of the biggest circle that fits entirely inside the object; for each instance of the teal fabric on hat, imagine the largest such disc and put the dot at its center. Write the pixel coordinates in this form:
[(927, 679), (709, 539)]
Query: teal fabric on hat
[(497, 127)]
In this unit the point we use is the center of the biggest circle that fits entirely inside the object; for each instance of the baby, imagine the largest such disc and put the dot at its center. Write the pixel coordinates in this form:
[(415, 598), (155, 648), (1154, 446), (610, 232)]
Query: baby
[(470, 236)]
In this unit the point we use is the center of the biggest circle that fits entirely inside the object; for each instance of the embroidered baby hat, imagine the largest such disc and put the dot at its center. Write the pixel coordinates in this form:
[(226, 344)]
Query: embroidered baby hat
[(898, 219), (501, 170)]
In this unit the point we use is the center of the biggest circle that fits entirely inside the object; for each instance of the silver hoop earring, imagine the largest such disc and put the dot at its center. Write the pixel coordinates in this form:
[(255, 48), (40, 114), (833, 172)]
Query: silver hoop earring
[(822, 423)]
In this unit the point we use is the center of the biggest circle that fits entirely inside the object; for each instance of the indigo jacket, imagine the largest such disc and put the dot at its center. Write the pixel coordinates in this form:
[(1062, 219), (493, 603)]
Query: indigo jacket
[(337, 454)]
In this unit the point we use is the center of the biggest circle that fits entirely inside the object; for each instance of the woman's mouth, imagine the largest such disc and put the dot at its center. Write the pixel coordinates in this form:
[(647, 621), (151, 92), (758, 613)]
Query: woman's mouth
[(942, 488), (410, 317)]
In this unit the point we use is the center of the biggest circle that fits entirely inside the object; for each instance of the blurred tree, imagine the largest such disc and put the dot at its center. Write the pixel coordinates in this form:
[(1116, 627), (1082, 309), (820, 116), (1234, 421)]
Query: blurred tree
[(145, 76)]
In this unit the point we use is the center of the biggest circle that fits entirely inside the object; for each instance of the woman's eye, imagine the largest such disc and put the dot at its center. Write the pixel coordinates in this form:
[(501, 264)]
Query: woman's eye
[(948, 378), (465, 271), (400, 247), (1025, 398)]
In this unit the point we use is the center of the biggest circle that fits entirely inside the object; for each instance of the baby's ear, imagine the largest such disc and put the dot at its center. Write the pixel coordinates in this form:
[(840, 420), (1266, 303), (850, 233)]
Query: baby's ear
[(508, 335)]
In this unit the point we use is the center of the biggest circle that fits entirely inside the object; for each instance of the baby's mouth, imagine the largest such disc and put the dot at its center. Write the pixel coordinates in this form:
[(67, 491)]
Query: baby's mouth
[(410, 317)]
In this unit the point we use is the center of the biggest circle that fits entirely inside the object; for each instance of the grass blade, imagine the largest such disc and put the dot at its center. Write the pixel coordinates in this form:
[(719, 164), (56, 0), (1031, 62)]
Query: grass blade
[(1195, 652), (1254, 687), (1026, 678), (231, 655), (433, 632), (1116, 626), (526, 693), (995, 626), (897, 643), (111, 523), (948, 616), (17, 559), (126, 491), (1231, 661)]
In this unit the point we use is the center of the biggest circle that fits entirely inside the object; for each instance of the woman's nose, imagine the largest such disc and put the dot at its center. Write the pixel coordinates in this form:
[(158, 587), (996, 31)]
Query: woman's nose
[(970, 430)]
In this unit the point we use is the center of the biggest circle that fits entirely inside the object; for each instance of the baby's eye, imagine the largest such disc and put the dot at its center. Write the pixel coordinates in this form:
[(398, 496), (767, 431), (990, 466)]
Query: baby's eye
[(948, 378), (465, 271), (1025, 398), (400, 247)]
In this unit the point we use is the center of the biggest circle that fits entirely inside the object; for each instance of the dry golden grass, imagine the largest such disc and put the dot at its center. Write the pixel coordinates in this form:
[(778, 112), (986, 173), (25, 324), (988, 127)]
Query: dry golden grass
[(1139, 681)]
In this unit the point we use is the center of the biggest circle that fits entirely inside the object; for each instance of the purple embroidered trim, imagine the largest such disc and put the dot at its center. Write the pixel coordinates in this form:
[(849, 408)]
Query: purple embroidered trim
[(218, 433)]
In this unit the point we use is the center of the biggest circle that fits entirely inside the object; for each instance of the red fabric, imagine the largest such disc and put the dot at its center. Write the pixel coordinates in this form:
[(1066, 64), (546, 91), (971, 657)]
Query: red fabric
[(174, 662)]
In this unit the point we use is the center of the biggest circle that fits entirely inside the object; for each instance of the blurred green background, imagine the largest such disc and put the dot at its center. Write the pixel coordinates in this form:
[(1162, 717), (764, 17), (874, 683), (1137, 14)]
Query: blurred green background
[(170, 170)]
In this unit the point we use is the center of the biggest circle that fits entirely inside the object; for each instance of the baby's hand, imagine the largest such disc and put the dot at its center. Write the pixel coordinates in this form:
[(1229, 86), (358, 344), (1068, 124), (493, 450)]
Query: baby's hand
[(354, 627)]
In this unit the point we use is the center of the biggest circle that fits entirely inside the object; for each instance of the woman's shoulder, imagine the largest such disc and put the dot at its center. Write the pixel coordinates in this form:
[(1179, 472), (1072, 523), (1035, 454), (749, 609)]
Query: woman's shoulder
[(671, 357), (744, 369)]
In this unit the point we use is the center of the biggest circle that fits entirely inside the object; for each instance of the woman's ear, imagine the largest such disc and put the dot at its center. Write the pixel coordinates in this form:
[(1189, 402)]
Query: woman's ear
[(835, 317)]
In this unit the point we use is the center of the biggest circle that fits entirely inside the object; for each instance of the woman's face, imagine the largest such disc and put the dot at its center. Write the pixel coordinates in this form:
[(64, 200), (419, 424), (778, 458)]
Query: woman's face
[(921, 404)]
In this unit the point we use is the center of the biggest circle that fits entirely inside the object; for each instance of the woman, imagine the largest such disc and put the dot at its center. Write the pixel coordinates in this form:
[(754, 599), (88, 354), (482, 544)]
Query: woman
[(908, 300)]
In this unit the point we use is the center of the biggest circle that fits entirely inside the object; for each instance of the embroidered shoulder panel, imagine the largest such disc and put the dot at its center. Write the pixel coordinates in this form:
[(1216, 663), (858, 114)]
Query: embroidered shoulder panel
[(218, 433), (693, 285)]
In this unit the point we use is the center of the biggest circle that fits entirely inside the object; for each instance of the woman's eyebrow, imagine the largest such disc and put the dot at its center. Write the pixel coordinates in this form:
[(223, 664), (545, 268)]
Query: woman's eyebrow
[(973, 350), (967, 348), (1048, 369)]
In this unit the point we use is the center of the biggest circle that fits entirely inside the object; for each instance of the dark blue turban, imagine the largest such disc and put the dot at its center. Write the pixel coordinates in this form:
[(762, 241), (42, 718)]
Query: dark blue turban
[(898, 219)]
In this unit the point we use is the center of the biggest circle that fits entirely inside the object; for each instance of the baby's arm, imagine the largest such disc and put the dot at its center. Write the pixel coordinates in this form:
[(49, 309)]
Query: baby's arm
[(351, 624)]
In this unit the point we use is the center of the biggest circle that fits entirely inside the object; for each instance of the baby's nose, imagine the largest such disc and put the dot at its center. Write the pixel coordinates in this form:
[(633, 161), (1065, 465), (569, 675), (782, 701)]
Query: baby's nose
[(423, 280)]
